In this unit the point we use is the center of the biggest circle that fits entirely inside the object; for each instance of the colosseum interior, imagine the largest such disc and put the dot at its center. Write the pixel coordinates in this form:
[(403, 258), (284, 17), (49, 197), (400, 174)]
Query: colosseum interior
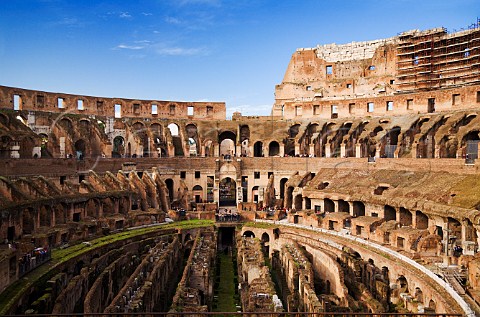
[(358, 194)]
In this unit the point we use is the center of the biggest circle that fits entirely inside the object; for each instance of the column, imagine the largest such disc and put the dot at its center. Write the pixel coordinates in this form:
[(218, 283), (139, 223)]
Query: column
[(358, 150), (342, 150)]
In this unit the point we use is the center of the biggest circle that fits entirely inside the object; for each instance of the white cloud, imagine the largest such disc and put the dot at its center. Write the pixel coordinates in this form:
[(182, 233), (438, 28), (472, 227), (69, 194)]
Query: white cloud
[(180, 51), (129, 47), (124, 15), (147, 14)]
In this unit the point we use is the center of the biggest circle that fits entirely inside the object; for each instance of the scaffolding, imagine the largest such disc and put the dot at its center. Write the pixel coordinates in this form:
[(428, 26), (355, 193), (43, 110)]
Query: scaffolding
[(436, 59)]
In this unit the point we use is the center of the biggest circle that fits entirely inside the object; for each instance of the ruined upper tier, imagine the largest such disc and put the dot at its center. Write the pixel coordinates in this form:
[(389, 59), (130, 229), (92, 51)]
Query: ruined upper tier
[(416, 71)]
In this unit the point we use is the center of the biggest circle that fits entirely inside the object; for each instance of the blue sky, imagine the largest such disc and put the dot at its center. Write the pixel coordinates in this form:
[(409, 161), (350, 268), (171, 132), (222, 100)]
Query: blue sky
[(192, 50)]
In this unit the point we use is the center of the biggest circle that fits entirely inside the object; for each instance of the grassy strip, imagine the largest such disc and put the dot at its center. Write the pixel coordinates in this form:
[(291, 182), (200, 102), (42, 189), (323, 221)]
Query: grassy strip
[(44, 272), (226, 287)]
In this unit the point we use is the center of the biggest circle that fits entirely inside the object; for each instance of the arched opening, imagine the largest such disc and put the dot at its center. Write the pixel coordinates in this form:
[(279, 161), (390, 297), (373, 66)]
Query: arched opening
[(283, 181), (389, 213), (308, 203), (197, 192), (273, 148), (228, 191), (290, 141), (208, 148), (403, 284), (289, 197), (227, 140), (298, 202), (421, 220), (176, 139), (470, 145), (169, 183), (390, 142), (80, 147), (248, 234), (118, 147), (258, 149), (343, 206), (192, 139), (405, 217), (265, 243), (358, 209), (255, 195), (328, 205)]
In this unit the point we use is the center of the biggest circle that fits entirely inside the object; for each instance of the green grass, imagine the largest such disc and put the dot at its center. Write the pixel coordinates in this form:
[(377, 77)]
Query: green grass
[(44, 272), (226, 287)]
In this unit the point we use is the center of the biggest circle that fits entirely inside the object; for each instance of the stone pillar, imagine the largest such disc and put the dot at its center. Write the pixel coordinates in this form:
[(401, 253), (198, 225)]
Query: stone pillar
[(377, 152), (186, 152), (327, 150), (297, 148), (342, 150), (250, 151), (282, 150), (311, 149), (238, 150), (62, 147), (358, 150), (414, 150), (437, 151), (216, 150), (335, 205), (350, 207)]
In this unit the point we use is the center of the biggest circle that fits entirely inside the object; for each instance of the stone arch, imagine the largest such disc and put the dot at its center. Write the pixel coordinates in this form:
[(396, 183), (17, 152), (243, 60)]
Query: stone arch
[(328, 205), (265, 240), (343, 206), (176, 139), (283, 181), (358, 209), (258, 149), (66, 124), (227, 141), (228, 192), (389, 213), (290, 141), (273, 148), (248, 234), (403, 284), (405, 217), (197, 192), (418, 295), (80, 147), (192, 135), (92, 207), (308, 203), (169, 183), (118, 146), (389, 142), (432, 305), (421, 220), (469, 144), (323, 138), (209, 151), (255, 195), (298, 202)]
